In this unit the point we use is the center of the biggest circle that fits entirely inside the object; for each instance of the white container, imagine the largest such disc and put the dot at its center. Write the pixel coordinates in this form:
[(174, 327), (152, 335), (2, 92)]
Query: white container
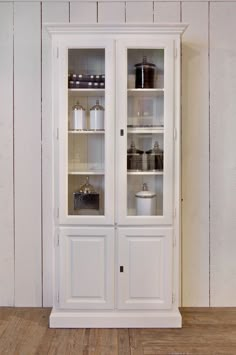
[(96, 121), (78, 119), (145, 202)]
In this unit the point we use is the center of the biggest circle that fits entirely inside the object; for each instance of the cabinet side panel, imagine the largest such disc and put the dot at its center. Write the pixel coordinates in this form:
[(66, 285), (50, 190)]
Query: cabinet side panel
[(223, 157), (51, 12), (195, 153), (6, 156), (27, 113)]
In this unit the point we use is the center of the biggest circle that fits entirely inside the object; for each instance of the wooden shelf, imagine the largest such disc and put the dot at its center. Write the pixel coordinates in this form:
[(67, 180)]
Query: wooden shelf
[(150, 130), (93, 172), (86, 92), (86, 132), (145, 92), (142, 173)]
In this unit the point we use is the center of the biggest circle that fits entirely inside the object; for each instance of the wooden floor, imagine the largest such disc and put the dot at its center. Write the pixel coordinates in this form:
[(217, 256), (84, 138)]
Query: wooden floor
[(24, 331)]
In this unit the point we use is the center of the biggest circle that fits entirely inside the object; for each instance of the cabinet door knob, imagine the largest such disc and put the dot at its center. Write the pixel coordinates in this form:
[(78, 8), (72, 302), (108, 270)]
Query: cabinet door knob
[(121, 268)]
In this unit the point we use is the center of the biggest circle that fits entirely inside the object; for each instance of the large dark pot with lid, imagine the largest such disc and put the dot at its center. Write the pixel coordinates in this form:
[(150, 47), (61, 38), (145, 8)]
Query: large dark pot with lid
[(155, 158), (134, 158), (145, 75)]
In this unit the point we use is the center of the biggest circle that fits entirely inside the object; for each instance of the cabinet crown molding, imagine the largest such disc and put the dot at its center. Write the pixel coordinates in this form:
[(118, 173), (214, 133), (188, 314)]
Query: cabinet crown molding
[(153, 28)]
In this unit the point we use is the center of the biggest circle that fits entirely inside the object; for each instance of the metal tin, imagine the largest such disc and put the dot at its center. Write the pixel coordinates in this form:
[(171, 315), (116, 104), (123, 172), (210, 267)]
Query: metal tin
[(96, 121), (78, 121), (145, 202)]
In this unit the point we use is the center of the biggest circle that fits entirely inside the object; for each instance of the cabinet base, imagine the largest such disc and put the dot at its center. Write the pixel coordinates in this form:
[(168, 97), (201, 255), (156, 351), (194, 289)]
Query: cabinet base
[(75, 319)]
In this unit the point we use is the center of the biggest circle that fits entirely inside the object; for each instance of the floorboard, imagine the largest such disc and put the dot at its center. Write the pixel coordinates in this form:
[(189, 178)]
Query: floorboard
[(206, 331)]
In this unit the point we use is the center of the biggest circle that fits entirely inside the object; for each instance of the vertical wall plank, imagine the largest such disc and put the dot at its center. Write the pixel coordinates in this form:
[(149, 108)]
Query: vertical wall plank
[(51, 12), (223, 153), (111, 12), (195, 153), (6, 156), (139, 11), (83, 12), (27, 112), (167, 11)]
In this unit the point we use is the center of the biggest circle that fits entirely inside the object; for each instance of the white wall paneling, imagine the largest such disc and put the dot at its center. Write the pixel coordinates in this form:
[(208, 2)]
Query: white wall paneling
[(51, 12), (195, 152), (222, 153), (6, 156), (140, 11), (83, 12), (27, 114), (109, 12), (166, 11)]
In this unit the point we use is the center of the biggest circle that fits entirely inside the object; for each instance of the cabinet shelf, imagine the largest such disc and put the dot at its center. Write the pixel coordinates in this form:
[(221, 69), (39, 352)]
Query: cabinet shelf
[(86, 92), (145, 92), (86, 132), (160, 172), (150, 130), (98, 172)]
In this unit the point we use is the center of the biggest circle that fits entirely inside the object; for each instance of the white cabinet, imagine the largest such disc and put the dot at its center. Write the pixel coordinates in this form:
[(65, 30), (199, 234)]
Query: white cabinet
[(145, 268), (86, 268), (117, 180)]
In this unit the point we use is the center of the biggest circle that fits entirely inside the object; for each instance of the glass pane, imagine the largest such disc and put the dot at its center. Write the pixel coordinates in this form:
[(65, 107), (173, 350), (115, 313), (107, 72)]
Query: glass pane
[(86, 131), (145, 127)]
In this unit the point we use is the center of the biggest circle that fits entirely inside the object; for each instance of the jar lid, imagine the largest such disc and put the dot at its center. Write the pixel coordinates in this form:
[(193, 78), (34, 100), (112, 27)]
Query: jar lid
[(78, 107), (145, 193), (97, 107), (87, 188), (134, 150), (155, 150), (145, 63)]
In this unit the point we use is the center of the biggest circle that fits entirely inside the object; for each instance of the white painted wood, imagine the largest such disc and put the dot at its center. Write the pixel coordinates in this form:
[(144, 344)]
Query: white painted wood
[(126, 319), (51, 12), (126, 212), (27, 134), (139, 12), (6, 157), (195, 152), (111, 12), (166, 11), (86, 268), (146, 258), (222, 154), (83, 12)]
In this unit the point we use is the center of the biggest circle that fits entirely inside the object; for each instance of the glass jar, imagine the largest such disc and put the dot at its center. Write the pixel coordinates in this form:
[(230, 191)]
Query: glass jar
[(145, 75), (86, 197), (155, 157), (97, 117), (78, 121), (134, 158)]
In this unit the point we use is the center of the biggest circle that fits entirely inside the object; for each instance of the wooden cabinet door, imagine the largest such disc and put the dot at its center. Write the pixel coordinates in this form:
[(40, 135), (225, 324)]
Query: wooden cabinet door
[(145, 268), (86, 268)]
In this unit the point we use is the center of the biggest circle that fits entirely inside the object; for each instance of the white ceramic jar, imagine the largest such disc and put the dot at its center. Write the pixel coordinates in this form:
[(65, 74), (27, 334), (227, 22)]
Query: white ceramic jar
[(145, 202), (78, 119), (96, 121)]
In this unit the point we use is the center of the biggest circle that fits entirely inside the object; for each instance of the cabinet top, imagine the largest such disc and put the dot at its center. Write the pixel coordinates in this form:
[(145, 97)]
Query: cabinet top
[(148, 28)]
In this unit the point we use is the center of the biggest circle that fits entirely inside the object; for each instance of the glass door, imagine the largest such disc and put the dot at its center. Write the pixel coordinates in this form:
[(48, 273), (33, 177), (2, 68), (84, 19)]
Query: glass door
[(145, 113), (86, 132)]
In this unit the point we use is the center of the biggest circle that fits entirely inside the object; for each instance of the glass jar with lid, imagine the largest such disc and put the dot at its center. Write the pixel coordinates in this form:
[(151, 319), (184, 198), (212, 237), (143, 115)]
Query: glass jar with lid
[(145, 202), (155, 158), (145, 75), (134, 158), (78, 120), (97, 117), (86, 197)]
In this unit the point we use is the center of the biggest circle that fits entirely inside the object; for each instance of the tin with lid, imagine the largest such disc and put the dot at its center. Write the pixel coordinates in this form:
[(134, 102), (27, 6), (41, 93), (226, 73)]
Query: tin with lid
[(86, 197), (145, 202), (96, 120), (145, 73), (78, 120)]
